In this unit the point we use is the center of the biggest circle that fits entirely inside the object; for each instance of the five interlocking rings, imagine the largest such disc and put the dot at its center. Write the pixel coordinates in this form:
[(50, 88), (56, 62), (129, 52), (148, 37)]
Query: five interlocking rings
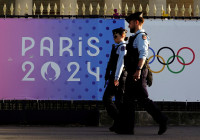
[(168, 61)]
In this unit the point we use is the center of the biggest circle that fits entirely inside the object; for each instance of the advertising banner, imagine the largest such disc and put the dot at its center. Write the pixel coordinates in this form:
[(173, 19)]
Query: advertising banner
[(65, 59), (54, 59), (174, 55)]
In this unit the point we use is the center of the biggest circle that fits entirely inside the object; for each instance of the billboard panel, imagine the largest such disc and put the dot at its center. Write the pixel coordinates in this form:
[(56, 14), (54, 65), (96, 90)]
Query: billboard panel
[(175, 42), (65, 59), (54, 59)]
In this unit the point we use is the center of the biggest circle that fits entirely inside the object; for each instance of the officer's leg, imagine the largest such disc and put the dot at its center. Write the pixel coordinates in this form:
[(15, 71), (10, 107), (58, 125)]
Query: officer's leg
[(149, 105), (120, 89), (108, 102), (156, 114), (143, 100), (152, 109), (126, 112), (119, 98), (129, 111)]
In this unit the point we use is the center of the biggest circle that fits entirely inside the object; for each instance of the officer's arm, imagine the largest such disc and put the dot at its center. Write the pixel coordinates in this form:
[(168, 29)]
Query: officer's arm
[(143, 50), (141, 63), (120, 62)]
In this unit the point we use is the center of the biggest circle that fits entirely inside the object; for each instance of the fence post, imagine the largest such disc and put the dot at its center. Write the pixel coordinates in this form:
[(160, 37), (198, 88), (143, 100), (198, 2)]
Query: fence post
[(48, 9), (190, 10), (176, 10), (41, 9), (183, 10), (140, 8), (197, 11), (90, 9), (154, 10), (133, 8), (62, 9), (105, 9), (83, 9), (34, 9), (196, 4), (147, 10), (169, 10), (126, 9), (4, 9), (77, 8), (11, 9), (98, 8), (55, 9)]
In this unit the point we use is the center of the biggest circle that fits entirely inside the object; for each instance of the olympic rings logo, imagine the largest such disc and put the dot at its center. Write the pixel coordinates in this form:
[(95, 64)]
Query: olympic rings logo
[(170, 59)]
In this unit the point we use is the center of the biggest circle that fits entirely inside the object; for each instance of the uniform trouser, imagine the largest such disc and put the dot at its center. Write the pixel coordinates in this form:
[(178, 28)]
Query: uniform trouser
[(137, 91), (117, 92)]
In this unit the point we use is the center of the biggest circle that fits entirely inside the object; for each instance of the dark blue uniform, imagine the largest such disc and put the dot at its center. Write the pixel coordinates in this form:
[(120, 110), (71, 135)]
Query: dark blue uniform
[(137, 90), (114, 71)]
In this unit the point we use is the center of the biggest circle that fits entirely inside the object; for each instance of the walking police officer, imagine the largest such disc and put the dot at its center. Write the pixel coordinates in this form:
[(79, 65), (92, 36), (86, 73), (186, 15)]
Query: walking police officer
[(136, 82), (116, 75)]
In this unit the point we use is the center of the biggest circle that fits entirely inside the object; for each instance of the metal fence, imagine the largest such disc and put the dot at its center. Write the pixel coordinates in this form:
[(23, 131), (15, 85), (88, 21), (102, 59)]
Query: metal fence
[(59, 105), (90, 105), (9, 10)]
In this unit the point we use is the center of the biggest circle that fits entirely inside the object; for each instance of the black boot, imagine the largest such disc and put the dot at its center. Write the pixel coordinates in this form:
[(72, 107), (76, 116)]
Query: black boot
[(162, 127), (112, 128)]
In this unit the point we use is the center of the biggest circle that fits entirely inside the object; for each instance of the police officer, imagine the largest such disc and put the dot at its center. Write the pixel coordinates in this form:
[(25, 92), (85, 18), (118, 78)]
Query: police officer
[(136, 82), (116, 75)]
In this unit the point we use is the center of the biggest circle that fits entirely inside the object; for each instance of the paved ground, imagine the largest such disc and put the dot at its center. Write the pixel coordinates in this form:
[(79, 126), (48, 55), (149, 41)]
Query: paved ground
[(95, 133)]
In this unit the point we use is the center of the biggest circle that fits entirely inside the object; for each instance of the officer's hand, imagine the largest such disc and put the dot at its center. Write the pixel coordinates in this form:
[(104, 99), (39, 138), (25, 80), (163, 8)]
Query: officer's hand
[(116, 82), (137, 74)]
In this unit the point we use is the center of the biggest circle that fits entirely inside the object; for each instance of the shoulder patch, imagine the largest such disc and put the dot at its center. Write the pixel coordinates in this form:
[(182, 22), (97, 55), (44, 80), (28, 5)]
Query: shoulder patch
[(144, 37), (123, 48)]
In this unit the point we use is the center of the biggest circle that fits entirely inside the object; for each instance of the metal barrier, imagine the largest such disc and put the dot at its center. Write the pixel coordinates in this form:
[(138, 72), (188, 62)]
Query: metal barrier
[(87, 105)]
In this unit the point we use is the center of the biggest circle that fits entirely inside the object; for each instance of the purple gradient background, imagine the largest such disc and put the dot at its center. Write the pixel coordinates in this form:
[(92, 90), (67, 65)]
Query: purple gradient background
[(11, 59)]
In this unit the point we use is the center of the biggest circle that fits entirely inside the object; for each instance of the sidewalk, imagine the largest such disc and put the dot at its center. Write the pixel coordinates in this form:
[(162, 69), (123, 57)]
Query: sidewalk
[(95, 133)]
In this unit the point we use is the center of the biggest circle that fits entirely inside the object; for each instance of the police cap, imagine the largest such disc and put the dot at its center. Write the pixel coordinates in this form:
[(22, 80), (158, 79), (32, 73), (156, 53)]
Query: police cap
[(135, 16), (118, 30)]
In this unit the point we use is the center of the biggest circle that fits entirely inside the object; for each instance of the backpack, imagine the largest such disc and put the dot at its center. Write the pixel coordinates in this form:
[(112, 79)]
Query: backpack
[(149, 75)]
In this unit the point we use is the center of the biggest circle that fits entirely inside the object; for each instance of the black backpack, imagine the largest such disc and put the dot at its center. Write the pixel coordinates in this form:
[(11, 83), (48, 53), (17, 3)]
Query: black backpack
[(149, 75)]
